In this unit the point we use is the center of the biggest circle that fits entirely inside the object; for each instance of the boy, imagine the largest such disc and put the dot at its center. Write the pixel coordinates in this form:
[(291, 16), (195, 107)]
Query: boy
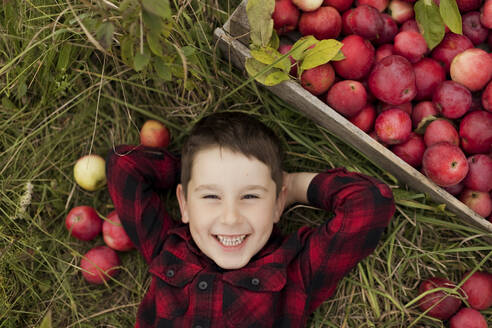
[(226, 264)]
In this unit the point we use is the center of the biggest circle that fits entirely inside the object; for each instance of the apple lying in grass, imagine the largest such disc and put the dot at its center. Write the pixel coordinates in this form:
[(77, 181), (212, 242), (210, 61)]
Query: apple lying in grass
[(114, 235), (83, 222), (468, 318), (154, 134), (478, 289), (90, 172), (100, 264), (441, 305)]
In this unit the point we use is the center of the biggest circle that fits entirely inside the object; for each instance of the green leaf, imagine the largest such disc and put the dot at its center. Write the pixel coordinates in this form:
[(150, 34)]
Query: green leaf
[(104, 34), (46, 323), (126, 45), (259, 14), (338, 56), (141, 60), (152, 22), (64, 57), (162, 69), (301, 45), (267, 55), (125, 4), (269, 78), (322, 53), (274, 40), (451, 15), (424, 123), (158, 7), (429, 19), (276, 78), (154, 42)]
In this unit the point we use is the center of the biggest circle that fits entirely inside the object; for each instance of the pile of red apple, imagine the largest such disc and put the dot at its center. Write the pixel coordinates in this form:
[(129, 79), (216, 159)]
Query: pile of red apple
[(432, 108), (476, 290), (101, 263)]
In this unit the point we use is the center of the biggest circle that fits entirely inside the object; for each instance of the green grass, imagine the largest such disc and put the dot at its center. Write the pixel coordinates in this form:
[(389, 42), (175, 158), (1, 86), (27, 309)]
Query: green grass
[(58, 105)]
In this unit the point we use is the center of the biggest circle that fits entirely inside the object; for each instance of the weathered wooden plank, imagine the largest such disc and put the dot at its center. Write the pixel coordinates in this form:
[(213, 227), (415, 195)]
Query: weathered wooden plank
[(322, 114)]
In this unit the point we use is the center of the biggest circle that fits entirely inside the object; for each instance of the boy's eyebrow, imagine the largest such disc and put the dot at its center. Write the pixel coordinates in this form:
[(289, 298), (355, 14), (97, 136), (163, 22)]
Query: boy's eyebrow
[(216, 187)]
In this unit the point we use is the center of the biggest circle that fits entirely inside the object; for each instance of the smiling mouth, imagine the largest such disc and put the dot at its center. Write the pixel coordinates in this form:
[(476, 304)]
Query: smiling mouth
[(230, 241)]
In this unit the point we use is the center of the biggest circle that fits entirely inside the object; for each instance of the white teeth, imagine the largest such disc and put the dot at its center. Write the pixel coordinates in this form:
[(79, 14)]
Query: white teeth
[(231, 241)]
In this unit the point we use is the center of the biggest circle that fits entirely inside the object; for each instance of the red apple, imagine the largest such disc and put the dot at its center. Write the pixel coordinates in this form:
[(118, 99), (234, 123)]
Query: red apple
[(324, 23), (83, 222), (364, 120), (423, 110), (486, 14), (442, 305), (478, 290), (411, 45), (384, 51), (410, 25), (285, 48), (468, 318), (154, 134), (340, 5), (99, 264), (401, 10), (487, 97), (406, 107), (480, 202), (285, 16), (472, 68), (428, 75), (347, 97), (359, 57), (449, 47), (452, 99), (393, 126), (378, 4), (114, 235), (456, 189), (473, 29), (441, 130), (411, 151), (468, 5), (475, 132), (392, 80), (445, 164), (390, 29), (319, 79), (366, 21), (480, 173)]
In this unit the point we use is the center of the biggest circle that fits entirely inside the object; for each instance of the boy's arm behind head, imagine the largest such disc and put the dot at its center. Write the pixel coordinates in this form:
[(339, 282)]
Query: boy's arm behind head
[(135, 176)]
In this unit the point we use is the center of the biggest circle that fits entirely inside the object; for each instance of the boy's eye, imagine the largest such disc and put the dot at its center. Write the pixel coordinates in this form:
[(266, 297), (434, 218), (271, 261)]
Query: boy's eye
[(250, 196), (210, 196)]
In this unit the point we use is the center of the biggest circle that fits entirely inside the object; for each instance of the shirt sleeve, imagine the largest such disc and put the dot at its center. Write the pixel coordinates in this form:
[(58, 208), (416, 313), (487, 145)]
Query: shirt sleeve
[(136, 176), (362, 208)]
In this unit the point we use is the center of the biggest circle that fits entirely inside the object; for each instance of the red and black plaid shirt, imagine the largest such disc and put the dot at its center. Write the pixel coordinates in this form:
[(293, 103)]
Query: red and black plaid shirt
[(282, 284)]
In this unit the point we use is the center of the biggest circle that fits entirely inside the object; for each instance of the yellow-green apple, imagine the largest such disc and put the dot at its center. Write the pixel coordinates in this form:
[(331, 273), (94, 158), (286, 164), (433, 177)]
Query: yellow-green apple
[(90, 172)]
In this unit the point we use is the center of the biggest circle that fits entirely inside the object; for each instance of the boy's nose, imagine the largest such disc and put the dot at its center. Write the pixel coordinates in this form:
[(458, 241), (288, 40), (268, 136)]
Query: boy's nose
[(231, 213)]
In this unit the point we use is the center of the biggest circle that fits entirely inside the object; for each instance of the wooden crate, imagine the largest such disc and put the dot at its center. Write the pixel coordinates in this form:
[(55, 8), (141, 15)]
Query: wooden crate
[(233, 40)]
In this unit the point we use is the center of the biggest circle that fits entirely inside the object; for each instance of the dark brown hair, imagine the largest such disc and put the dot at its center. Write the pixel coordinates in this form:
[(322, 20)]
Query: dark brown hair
[(238, 132)]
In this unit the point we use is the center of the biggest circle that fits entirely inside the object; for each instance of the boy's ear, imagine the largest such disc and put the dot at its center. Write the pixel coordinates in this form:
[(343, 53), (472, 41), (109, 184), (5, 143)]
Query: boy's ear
[(182, 203), (280, 204)]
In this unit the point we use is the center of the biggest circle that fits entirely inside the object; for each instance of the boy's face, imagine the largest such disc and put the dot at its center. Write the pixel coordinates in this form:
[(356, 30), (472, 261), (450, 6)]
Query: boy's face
[(231, 206)]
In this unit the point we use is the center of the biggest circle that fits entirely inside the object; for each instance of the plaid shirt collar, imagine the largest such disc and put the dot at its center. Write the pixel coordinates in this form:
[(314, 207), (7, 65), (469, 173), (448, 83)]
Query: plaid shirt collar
[(178, 272)]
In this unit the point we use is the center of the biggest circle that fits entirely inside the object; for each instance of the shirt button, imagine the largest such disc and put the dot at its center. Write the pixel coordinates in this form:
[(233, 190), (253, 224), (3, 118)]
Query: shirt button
[(170, 273), (255, 281), (203, 285)]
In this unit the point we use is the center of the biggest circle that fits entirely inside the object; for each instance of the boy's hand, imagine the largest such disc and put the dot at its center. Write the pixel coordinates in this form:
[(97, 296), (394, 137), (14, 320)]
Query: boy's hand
[(296, 185)]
